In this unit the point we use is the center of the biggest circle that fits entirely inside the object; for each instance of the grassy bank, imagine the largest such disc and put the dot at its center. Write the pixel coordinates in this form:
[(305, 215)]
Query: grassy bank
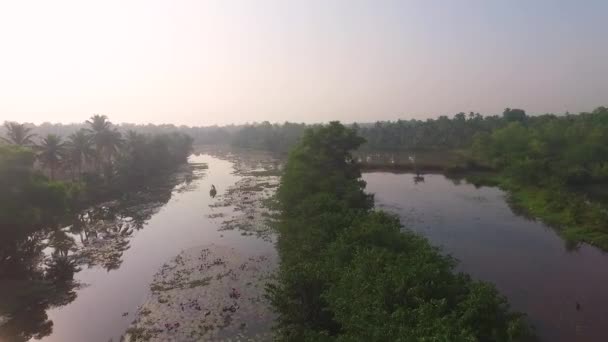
[(348, 272)]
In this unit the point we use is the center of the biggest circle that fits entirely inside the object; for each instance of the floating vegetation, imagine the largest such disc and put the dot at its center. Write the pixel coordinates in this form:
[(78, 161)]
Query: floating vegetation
[(252, 198), (215, 292), (207, 293)]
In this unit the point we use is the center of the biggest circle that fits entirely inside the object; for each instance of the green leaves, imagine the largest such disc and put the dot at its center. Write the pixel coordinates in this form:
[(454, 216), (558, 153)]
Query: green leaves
[(348, 273)]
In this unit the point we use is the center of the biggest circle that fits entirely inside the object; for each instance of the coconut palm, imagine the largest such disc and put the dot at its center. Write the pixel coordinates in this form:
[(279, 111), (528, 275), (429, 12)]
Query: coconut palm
[(80, 149), (18, 134), (99, 123), (106, 140), (111, 141), (52, 153)]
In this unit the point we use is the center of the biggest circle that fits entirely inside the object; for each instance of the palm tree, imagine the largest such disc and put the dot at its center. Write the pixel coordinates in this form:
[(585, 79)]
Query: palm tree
[(106, 139), (99, 123), (80, 149), (52, 152), (18, 134), (111, 141)]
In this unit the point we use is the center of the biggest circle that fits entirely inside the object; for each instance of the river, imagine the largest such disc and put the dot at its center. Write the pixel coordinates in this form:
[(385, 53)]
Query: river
[(124, 245), (561, 287)]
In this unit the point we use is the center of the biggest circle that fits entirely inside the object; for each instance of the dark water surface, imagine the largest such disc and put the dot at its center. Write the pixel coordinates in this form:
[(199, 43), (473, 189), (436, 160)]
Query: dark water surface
[(97, 312), (114, 276), (529, 263)]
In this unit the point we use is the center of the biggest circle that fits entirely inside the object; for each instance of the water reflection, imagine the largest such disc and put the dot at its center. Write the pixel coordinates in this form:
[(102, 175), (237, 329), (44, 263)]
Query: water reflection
[(37, 269), (32, 283)]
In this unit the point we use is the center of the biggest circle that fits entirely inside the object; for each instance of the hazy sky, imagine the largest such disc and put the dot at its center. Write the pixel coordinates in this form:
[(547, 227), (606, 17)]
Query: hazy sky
[(207, 62)]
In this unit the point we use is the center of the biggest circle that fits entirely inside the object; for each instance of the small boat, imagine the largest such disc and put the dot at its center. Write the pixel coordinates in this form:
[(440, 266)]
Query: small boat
[(213, 191), (418, 178)]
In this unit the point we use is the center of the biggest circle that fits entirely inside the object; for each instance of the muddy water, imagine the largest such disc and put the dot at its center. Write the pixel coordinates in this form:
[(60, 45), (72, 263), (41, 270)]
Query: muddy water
[(108, 295), (561, 287)]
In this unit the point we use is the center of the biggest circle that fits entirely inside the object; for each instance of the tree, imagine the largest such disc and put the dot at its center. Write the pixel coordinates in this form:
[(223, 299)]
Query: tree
[(80, 149), (111, 141), (98, 123), (106, 140), (514, 114), (52, 153), (18, 134)]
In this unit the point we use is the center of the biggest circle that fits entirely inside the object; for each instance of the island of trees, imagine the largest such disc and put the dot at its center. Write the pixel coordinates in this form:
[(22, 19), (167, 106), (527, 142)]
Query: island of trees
[(349, 273)]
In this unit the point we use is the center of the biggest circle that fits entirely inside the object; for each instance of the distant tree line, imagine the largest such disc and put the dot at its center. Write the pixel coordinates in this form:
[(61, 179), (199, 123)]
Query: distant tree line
[(570, 149), (349, 273), (100, 149), (456, 132), (201, 135)]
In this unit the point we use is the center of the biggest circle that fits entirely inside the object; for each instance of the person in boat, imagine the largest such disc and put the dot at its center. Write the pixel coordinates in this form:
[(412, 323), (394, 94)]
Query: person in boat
[(213, 191)]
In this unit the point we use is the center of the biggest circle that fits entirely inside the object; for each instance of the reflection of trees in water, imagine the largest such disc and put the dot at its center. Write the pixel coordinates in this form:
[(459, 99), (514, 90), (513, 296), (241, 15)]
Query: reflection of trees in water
[(32, 283), (34, 279), (104, 231), (570, 245)]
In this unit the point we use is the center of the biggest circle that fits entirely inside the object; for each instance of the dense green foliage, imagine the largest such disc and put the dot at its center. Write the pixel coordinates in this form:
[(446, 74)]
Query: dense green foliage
[(101, 156), (348, 272), (545, 161), (440, 133), (106, 165), (149, 155), (27, 198), (570, 149)]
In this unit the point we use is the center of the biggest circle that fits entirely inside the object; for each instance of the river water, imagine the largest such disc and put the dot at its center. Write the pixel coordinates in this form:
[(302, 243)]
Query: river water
[(530, 264), (125, 246)]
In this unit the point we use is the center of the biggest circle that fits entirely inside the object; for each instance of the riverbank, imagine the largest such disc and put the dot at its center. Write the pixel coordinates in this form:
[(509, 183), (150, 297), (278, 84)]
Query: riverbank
[(452, 161), (574, 216)]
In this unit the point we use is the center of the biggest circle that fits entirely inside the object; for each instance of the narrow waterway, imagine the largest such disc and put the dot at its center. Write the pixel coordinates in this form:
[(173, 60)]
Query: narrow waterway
[(109, 293), (561, 287)]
